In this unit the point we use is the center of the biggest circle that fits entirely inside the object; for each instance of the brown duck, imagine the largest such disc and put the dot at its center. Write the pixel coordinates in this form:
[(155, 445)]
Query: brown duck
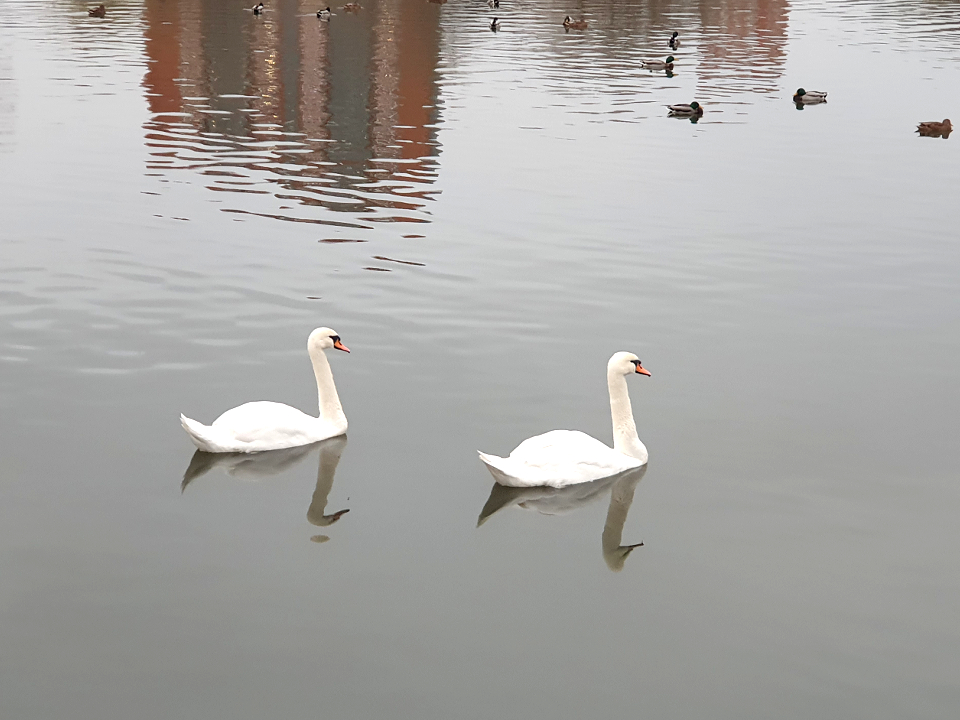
[(935, 129)]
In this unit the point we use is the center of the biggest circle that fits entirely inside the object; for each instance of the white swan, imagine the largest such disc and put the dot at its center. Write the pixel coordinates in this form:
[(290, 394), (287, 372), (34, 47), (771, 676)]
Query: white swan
[(257, 426), (567, 457)]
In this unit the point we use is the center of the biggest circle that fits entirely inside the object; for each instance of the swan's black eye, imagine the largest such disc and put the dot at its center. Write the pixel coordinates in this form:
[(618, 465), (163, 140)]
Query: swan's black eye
[(335, 338)]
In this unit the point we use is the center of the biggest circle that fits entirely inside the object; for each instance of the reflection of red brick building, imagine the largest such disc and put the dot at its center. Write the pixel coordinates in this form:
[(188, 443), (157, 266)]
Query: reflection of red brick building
[(377, 68), (314, 85), (743, 44), (161, 37)]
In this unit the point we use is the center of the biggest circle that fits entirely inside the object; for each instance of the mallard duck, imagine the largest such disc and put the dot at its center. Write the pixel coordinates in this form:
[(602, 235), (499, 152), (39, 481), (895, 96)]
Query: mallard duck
[(691, 110), (495, 24), (809, 97), (935, 129), (351, 7), (325, 13), (674, 41), (493, 3), (569, 23), (658, 64), (257, 9), (98, 11)]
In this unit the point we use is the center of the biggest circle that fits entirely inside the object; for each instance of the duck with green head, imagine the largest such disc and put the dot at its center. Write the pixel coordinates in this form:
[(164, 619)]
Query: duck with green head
[(658, 64), (809, 97), (694, 109)]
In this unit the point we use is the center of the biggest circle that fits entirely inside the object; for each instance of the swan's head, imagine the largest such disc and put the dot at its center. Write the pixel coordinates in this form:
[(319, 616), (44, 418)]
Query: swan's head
[(323, 339), (626, 364)]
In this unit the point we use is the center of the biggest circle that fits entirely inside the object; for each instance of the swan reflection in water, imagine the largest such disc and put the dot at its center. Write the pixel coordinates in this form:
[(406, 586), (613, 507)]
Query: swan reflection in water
[(558, 501), (254, 466)]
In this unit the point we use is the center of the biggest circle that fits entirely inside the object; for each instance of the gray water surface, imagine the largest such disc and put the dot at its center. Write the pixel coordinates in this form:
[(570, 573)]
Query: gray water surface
[(187, 190)]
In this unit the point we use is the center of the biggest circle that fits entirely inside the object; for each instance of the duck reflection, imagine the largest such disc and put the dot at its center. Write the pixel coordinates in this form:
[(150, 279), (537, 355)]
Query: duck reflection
[(558, 501), (255, 466)]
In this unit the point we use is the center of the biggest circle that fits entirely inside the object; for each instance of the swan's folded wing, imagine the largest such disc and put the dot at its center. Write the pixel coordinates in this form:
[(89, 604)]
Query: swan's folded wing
[(264, 425), (557, 459)]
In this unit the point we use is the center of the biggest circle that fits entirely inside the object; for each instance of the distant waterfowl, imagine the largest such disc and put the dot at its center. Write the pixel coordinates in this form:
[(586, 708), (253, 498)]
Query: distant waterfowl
[(257, 9), (352, 7), (325, 13), (495, 24), (674, 41), (692, 110), (258, 426), (493, 3), (571, 24), (658, 64), (567, 457), (935, 129), (809, 97), (99, 11)]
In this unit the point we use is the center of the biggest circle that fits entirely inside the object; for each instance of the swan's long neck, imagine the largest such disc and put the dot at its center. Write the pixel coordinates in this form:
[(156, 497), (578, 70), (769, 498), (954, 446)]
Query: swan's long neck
[(330, 408), (625, 438)]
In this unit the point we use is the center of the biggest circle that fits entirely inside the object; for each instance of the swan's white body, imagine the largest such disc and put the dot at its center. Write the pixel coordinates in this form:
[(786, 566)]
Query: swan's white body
[(263, 425), (567, 457)]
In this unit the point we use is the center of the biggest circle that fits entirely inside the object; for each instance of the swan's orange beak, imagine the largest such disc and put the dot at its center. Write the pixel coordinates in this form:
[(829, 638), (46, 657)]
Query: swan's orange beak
[(642, 370), (340, 346)]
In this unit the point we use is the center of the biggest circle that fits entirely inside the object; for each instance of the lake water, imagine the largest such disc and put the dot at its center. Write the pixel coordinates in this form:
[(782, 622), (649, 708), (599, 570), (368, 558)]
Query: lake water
[(187, 190)]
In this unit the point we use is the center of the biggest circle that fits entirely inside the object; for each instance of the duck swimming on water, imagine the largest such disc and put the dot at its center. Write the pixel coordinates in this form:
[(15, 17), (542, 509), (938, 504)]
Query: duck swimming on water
[(809, 97), (658, 64), (571, 24), (99, 11), (694, 109), (935, 129)]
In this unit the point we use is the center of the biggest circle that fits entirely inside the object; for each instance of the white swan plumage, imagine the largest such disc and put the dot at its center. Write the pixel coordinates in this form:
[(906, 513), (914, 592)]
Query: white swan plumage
[(567, 457), (262, 425)]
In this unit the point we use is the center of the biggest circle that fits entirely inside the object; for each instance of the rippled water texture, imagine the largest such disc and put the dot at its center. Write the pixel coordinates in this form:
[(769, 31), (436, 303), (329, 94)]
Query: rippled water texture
[(188, 189)]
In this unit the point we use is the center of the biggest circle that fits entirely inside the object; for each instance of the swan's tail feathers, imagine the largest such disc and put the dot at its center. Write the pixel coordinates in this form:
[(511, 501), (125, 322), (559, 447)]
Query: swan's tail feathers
[(499, 468), (493, 461), (200, 435)]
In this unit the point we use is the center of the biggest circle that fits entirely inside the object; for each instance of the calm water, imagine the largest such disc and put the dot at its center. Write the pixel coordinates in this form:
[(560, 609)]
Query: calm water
[(187, 190)]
